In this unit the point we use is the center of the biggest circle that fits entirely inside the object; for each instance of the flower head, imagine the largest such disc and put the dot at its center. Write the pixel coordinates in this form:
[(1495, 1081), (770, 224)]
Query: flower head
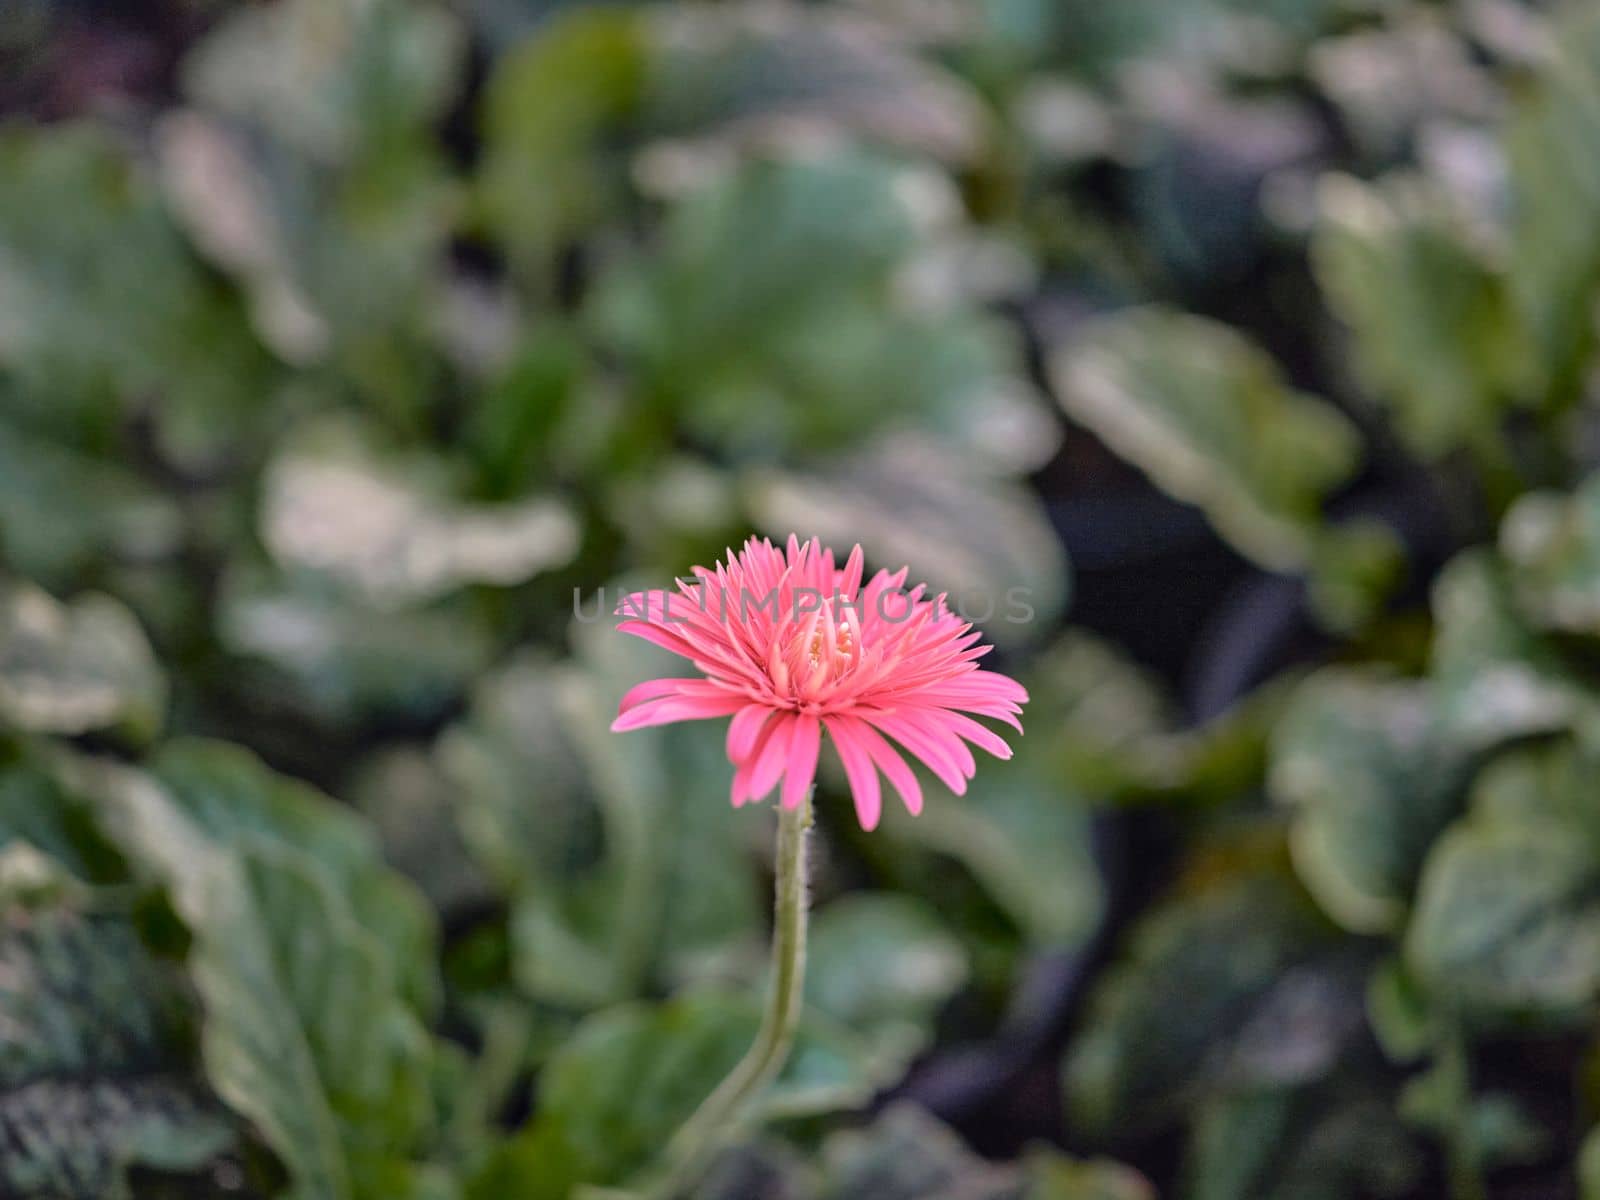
[(791, 645)]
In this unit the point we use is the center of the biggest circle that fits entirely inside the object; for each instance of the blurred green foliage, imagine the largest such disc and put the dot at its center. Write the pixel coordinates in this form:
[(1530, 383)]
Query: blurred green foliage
[(342, 355)]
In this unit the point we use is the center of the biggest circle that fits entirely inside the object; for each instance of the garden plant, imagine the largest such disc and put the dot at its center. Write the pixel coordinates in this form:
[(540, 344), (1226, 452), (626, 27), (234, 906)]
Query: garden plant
[(1226, 371)]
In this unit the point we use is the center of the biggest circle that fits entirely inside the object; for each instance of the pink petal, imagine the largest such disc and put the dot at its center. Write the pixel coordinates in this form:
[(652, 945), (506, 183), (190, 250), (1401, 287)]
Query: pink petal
[(741, 776), (980, 736), (651, 689), (768, 763), (640, 606), (850, 580), (665, 638), (925, 745), (858, 769), (989, 685), (802, 767), (889, 762), (744, 729), (665, 712)]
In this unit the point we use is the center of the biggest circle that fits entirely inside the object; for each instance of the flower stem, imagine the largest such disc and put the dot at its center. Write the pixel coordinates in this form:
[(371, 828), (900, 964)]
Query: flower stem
[(708, 1129)]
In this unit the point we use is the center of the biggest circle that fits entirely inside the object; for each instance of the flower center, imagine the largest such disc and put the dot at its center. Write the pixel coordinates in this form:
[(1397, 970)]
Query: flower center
[(842, 650), (824, 647)]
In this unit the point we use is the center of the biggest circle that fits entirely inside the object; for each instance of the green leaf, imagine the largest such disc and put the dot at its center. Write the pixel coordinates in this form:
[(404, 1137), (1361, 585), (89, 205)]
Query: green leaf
[(1362, 762), (82, 232), (1555, 195), (1551, 544), (343, 662), (382, 534), (1434, 330), (411, 802), (1205, 36), (1481, 1131), (1398, 83), (1209, 418), (1398, 1012), (1542, 781), (537, 418), (308, 169), (513, 736), (305, 1028), (64, 513), (38, 815), (329, 79), (95, 1057), (1589, 1166), (1315, 1143), (547, 107), (622, 867), (1495, 677), (1022, 830), (1024, 840), (78, 1138), (82, 996), (1221, 986), (882, 966), (770, 321), (764, 1169), (1054, 1176), (334, 261), (1096, 710), (1355, 569), (231, 796), (1217, 761), (834, 229), (614, 1094), (75, 669), (30, 878), (1507, 920), (582, 932), (908, 1155), (745, 76)]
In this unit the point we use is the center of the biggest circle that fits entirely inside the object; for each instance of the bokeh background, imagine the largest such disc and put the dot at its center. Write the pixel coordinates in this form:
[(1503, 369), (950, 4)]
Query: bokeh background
[(350, 348)]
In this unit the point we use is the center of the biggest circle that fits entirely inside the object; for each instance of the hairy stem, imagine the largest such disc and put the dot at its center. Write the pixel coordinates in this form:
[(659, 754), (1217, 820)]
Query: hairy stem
[(719, 1116)]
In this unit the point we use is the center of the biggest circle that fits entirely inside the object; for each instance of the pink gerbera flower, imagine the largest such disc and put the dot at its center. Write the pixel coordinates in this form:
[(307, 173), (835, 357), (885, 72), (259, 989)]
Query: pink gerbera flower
[(790, 645)]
